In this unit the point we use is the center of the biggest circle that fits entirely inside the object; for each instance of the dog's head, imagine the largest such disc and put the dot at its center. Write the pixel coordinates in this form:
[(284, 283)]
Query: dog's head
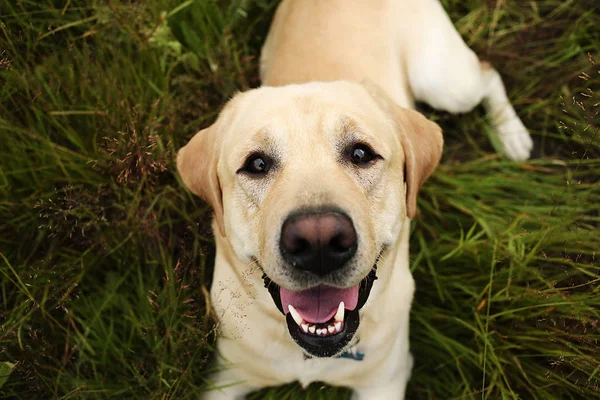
[(313, 182)]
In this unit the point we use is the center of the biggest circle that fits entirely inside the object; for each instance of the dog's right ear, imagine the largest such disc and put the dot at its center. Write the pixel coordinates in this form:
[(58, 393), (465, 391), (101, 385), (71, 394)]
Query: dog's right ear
[(197, 163)]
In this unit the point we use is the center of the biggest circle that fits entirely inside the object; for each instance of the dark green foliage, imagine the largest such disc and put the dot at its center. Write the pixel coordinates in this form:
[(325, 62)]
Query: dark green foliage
[(105, 258)]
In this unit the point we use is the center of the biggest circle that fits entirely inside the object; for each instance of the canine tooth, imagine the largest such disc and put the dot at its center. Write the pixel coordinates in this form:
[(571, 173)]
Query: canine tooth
[(339, 315), (295, 315), (312, 329), (338, 326), (331, 328), (305, 328)]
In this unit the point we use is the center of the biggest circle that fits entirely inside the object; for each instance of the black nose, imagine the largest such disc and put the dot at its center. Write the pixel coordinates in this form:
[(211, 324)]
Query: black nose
[(319, 243)]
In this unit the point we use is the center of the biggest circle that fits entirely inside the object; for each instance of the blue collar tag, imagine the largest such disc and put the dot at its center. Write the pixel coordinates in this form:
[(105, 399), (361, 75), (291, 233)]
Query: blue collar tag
[(353, 354)]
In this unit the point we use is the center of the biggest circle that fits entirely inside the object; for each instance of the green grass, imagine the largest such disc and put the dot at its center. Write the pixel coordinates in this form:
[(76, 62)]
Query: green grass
[(105, 258)]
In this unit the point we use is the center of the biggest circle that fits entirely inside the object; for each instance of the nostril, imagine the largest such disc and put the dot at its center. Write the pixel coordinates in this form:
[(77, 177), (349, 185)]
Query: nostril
[(344, 237), (340, 243), (298, 246)]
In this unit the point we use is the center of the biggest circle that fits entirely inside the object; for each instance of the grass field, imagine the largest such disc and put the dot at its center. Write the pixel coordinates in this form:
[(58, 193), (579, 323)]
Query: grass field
[(105, 258)]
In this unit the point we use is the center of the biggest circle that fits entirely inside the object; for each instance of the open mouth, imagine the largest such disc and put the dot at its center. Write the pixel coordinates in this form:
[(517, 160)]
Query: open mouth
[(323, 319)]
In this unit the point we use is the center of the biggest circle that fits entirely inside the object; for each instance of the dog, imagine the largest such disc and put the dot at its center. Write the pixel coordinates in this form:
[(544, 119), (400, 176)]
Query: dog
[(313, 179)]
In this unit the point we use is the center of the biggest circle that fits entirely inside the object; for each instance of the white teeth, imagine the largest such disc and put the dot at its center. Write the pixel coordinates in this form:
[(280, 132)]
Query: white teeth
[(335, 327), (339, 315), (328, 330), (295, 315)]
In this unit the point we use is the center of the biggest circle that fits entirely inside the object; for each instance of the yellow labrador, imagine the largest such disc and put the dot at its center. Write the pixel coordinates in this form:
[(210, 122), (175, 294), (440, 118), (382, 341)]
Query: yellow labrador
[(313, 179)]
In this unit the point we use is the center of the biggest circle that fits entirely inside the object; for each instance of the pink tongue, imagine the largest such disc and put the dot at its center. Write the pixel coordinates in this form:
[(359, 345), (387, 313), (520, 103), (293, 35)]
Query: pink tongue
[(319, 304)]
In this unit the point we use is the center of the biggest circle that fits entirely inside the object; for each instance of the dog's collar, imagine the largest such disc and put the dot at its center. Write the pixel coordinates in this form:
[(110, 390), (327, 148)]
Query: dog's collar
[(352, 353)]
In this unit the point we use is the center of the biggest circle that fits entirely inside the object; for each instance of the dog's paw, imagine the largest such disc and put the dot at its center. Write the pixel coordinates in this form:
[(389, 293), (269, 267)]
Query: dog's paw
[(514, 138)]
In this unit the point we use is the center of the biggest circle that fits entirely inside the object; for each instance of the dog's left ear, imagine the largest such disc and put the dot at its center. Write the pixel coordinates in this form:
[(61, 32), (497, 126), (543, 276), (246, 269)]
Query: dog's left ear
[(421, 140), (197, 163)]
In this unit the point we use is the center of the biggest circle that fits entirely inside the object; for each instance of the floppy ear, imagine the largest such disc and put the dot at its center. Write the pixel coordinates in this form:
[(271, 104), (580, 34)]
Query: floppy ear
[(197, 164), (423, 143), (421, 140)]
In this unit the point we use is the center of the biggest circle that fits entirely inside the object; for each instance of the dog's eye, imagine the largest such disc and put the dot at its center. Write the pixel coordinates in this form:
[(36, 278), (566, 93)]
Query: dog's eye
[(361, 154), (257, 164)]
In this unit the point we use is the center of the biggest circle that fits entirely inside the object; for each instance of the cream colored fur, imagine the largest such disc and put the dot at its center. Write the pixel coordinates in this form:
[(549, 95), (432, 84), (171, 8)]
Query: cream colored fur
[(378, 57)]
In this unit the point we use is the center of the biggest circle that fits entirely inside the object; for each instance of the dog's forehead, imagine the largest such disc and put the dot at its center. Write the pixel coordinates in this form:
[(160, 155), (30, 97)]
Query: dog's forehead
[(343, 94), (273, 112)]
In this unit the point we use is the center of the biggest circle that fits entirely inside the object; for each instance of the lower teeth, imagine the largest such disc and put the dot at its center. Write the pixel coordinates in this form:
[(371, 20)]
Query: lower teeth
[(329, 329), (323, 330)]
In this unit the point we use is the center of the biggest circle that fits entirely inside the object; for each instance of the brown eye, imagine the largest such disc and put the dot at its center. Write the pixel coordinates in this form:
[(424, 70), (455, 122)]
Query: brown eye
[(257, 164), (361, 154)]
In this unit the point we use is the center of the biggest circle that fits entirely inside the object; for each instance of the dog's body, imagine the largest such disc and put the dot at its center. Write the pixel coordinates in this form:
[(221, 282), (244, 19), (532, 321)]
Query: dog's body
[(298, 172), (409, 48)]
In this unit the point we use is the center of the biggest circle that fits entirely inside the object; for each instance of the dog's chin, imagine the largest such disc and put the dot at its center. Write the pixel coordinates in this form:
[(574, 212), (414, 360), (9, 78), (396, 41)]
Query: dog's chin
[(331, 332)]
